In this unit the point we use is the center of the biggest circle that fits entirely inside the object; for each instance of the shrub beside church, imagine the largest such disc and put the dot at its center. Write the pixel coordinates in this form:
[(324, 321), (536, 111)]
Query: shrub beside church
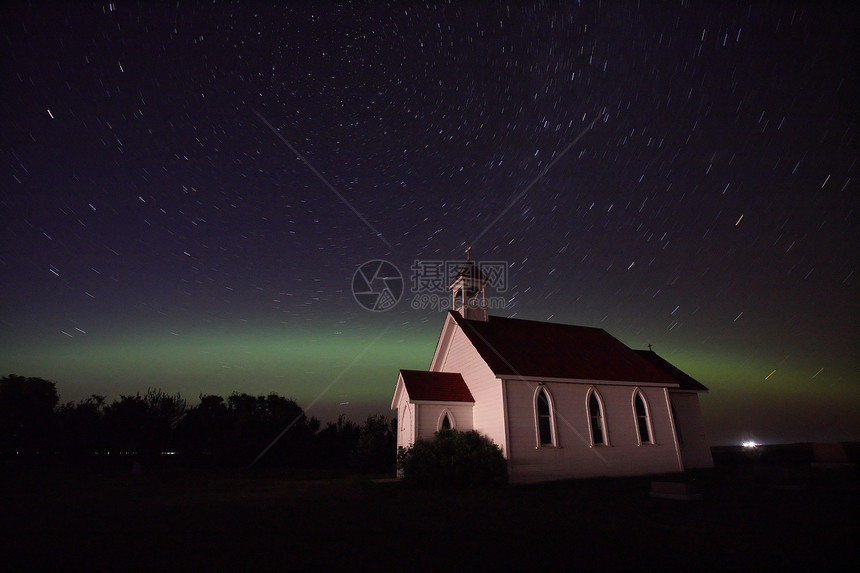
[(453, 459)]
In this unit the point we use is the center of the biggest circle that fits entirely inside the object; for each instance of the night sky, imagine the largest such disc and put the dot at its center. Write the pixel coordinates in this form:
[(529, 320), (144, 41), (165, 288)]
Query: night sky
[(188, 190)]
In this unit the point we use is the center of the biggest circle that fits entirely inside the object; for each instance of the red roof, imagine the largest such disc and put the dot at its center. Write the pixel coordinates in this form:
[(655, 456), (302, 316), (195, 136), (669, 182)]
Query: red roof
[(515, 347), (436, 386)]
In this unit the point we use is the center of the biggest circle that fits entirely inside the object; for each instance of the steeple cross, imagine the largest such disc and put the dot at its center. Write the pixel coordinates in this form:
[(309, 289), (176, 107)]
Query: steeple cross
[(468, 251)]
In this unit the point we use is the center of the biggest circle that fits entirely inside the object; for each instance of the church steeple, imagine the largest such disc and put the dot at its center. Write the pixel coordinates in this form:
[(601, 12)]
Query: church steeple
[(468, 290)]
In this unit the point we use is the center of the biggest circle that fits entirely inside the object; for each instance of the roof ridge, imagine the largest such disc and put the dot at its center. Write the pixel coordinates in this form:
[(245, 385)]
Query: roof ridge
[(542, 322)]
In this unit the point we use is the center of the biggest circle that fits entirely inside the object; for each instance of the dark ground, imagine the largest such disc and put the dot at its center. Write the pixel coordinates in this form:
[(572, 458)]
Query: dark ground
[(765, 510)]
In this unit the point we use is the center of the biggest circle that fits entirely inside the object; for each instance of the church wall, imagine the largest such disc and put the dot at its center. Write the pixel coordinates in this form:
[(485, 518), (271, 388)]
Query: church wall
[(487, 415), (430, 413), (695, 449), (574, 457)]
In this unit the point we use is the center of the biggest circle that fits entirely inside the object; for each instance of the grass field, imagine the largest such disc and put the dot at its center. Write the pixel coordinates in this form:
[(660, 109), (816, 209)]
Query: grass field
[(753, 515)]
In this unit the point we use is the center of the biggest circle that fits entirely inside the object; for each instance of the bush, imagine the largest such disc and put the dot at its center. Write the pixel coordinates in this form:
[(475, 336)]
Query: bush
[(453, 459)]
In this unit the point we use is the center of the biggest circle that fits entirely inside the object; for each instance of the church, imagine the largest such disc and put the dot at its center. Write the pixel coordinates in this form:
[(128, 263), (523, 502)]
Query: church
[(561, 401)]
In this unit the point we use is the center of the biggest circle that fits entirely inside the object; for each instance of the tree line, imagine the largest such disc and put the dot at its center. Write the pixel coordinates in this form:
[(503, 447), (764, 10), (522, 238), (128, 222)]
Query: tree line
[(217, 431)]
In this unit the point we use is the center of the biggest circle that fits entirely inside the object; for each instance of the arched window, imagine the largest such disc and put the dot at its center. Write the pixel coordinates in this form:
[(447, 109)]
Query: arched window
[(446, 421), (595, 415), (406, 428), (643, 423), (544, 417)]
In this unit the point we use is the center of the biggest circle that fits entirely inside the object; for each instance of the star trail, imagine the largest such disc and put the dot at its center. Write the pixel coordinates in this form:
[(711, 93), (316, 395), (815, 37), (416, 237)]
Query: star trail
[(189, 189)]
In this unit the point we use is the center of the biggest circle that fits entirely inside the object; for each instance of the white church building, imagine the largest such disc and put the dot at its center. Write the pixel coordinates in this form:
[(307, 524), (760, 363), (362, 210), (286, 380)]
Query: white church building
[(561, 401)]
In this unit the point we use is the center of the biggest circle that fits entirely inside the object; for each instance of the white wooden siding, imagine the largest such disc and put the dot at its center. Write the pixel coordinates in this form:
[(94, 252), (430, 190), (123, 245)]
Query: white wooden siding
[(430, 412), (488, 414)]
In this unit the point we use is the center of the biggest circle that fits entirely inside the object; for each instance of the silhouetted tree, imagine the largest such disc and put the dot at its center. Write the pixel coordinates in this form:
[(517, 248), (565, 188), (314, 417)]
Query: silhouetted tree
[(80, 427), (336, 442), (125, 424), (204, 430), (376, 451), (272, 422), (143, 425), (232, 431), (164, 412), (26, 414)]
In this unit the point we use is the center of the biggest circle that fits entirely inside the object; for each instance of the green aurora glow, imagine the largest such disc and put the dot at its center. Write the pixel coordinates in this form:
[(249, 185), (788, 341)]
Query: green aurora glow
[(353, 372)]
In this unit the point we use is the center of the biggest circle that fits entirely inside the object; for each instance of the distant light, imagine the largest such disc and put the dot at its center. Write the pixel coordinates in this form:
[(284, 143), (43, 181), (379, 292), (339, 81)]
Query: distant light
[(750, 444)]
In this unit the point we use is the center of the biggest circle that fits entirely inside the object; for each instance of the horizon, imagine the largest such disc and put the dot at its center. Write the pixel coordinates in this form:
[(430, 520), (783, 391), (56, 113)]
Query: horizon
[(361, 389)]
